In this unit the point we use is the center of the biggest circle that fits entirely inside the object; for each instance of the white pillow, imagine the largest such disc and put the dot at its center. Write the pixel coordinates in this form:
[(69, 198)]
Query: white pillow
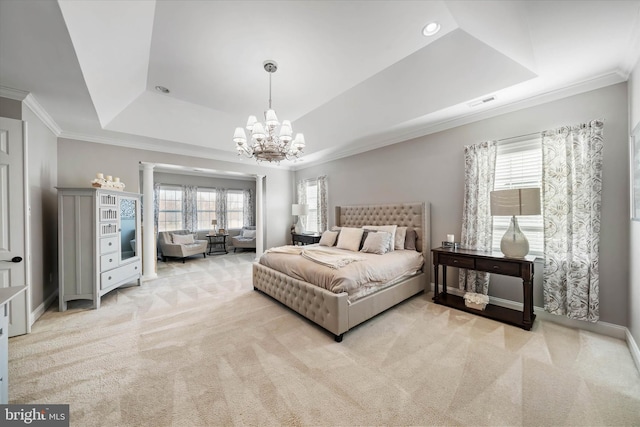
[(182, 239), (401, 234), (328, 238), (389, 229), (376, 243), (248, 233), (349, 238)]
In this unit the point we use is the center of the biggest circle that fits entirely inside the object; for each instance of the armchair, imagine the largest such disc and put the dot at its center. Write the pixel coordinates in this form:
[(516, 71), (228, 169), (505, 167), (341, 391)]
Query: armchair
[(245, 239), (181, 246)]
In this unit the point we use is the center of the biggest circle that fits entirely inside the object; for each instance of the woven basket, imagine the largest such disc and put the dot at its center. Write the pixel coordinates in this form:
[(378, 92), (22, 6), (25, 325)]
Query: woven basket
[(474, 305)]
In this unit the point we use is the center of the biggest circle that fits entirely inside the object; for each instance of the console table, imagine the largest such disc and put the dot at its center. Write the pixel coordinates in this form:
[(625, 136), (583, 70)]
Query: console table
[(304, 239), (495, 263)]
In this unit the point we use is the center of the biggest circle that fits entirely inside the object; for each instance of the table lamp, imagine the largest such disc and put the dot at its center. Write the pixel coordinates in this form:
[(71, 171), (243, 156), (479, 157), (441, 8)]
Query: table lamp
[(519, 201), (214, 222), (298, 210)]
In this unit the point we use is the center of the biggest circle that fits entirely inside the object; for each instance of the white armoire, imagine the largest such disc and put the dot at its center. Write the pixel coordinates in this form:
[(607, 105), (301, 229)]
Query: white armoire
[(98, 242)]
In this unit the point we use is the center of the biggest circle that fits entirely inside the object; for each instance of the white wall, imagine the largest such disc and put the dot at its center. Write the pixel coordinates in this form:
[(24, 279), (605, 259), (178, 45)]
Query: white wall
[(634, 246), (432, 168), (79, 161)]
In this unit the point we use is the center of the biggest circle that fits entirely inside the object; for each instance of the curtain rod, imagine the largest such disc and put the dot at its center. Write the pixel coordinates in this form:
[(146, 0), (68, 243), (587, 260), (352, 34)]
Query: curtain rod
[(589, 123), (519, 136)]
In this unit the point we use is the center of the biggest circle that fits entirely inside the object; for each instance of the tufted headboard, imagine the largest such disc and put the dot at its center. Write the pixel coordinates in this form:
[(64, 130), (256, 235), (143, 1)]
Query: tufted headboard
[(414, 215)]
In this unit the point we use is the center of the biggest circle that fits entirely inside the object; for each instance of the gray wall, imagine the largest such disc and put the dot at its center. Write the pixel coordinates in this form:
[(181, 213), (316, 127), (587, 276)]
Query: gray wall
[(79, 161), (42, 164), (42, 169), (634, 245), (431, 168), (10, 108)]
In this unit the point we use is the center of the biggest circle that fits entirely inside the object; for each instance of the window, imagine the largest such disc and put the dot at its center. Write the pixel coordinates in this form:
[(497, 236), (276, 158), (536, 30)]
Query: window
[(519, 165), (206, 206), (311, 224), (235, 209), (170, 209)]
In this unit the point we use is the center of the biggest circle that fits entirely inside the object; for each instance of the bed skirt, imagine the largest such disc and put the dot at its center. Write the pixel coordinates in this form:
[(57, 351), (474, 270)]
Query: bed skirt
[(327, 309)]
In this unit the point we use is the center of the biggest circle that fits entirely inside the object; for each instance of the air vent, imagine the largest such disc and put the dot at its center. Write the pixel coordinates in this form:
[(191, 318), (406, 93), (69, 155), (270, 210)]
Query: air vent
[(481, 101)]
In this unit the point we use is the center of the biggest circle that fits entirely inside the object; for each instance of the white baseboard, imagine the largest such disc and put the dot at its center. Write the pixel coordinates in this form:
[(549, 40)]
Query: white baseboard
[(633, 348), (39, 311)]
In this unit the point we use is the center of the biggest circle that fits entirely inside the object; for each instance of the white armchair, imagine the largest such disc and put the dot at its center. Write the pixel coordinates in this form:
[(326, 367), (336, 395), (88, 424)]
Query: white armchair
[(246, 239), (180, 244)]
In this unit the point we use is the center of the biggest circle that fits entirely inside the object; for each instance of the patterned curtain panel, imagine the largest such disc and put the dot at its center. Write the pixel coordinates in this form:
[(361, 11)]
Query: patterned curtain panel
[(477, 223), (302, 199), (571, 193), (322, 204), (190, 207), (156, 204), (249, 208), (221, 207)]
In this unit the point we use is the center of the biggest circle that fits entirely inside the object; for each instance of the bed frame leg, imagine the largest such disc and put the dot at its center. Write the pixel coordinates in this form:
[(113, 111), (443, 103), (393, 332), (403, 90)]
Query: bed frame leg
[(338, 338)]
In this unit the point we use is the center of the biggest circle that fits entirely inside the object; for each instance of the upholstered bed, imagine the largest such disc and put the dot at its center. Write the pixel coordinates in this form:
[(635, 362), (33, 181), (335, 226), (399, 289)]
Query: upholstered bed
[(335, 311)]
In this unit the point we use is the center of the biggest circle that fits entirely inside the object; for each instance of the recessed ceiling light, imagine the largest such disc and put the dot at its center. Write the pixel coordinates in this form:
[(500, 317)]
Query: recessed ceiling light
[(162, 89), (431, 28)]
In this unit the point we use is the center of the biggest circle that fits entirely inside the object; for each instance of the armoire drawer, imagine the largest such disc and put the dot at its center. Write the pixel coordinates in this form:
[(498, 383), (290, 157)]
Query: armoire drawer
[(108, 261), (108, 245), (117, 275)]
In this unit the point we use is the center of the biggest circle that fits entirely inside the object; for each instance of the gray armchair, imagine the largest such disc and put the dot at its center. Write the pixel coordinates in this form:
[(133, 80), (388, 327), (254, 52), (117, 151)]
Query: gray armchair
[(169, 248), (246, 239)]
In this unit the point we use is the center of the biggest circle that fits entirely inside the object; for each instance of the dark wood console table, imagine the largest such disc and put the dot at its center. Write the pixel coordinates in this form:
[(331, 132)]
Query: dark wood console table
[(304, 239), (495, 263), (217, 243)]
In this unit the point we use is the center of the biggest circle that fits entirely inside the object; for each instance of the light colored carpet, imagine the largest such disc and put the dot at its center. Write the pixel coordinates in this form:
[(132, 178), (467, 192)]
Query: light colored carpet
[(199, 347)]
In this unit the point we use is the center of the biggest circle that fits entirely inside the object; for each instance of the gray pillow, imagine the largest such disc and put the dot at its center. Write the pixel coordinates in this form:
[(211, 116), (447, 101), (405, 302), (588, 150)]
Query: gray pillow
[(410, 240)]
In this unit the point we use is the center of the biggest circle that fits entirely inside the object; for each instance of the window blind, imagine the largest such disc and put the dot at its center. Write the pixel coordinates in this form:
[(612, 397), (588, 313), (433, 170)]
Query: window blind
[(519, 165)]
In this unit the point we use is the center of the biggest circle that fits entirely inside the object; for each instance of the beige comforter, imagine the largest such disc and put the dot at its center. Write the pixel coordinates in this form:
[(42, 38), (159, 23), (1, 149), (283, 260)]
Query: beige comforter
[(362, 269)]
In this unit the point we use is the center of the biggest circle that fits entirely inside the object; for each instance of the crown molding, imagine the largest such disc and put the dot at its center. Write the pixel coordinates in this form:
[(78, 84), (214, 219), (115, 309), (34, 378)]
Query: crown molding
[(15, 94), (598, 82), (168, 147), (33, 104), (30, 101)]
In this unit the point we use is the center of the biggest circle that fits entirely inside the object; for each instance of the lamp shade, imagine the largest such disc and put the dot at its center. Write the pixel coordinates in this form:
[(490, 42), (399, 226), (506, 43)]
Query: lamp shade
[(239, 136), (519, 201), (271, 119), (214, 222), (298, 209)]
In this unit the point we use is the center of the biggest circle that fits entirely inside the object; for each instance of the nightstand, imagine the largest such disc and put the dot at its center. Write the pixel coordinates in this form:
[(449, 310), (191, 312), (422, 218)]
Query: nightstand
[(304, 239)]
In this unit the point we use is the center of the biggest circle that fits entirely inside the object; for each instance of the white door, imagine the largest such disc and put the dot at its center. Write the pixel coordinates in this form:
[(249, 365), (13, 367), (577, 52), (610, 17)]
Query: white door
[(12, 222)]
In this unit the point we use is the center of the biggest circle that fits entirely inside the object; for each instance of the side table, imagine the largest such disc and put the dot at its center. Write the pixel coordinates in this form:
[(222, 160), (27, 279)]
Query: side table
[(217, 243), (304, 239)]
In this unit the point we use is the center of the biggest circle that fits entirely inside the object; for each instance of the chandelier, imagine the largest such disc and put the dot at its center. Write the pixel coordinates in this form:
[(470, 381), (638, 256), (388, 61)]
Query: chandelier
[(271, 141)]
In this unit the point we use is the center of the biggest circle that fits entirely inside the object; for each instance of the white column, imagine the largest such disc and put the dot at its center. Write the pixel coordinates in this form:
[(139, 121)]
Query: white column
[(259, 217), (148, 233)]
